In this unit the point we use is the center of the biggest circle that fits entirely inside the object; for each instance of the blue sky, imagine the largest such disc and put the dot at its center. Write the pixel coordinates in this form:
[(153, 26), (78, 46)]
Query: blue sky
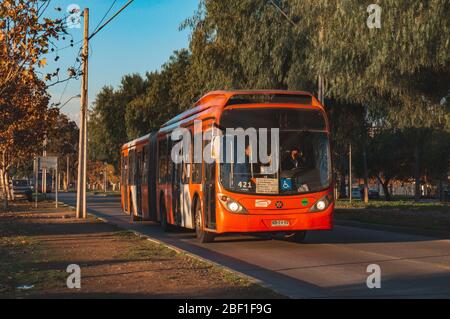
[(140, 39)]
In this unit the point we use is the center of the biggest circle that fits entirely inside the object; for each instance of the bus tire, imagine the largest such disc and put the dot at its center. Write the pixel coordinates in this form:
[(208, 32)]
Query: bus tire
[(202, 236), (297, 237)]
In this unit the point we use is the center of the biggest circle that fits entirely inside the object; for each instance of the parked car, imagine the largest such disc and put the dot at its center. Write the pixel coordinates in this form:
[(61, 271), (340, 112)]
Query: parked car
[(356, 193), (21, 189), (374, 194)]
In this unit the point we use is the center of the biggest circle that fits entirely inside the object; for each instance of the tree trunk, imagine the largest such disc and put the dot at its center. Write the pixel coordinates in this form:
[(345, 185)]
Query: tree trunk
[(8, 188), (4, 191), (342, 186), (385, 185), (7, 194), (387, 192), (417, 172), (3, 180), (66, 186), (366, 177)]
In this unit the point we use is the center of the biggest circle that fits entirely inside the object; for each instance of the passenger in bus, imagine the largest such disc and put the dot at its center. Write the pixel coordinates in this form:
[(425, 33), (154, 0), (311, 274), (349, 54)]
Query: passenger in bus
[(294, 161)]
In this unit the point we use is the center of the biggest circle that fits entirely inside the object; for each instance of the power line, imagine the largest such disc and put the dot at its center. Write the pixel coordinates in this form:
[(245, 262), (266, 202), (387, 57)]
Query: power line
[(110, 19), (104, 17), (95, 30), (70, 45), (63, 92)]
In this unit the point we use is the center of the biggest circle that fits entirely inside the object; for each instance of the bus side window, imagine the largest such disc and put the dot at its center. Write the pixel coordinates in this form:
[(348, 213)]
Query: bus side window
[(146, 164), (196, 168), (169, 163), (186, 168), (135, 164), (143, 166), (130, 168), (163, 162), (123, 167)]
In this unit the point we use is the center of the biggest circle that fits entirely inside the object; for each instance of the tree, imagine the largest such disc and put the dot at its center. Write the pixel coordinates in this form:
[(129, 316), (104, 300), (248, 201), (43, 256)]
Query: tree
[(25, 40), (167, 94), (25, 119), (63, 140), (246, 45), (107, 120), (389, 158), (138, 107), (390, 79), (25, 36), (348, 127)]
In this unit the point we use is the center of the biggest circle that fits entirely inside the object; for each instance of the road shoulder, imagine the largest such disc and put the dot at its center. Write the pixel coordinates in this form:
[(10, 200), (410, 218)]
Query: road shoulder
[(38, 245)]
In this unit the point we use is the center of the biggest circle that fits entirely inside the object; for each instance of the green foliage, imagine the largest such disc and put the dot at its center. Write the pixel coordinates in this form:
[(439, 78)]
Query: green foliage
[(167, 93), (390, 155), (138, 107), (106, 127), (390, 79)]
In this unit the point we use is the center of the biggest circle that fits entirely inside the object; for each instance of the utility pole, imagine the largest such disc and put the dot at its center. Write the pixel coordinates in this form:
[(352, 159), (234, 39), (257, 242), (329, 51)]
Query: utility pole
[(44, 170), (350, 177), (36, 181), (82, 148), (67, 174), (105, 177), (57, 183)]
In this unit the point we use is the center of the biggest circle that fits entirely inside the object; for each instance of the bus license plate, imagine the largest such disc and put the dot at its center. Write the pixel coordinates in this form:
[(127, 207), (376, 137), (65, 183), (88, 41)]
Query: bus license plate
[(280, 223)]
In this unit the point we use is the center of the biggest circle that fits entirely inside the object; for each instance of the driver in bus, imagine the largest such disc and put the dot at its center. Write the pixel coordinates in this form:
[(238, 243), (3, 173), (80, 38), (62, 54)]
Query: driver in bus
[(294, 161)]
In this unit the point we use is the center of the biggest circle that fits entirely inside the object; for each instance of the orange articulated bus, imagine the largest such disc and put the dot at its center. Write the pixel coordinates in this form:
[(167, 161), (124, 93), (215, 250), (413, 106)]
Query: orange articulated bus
[(138, 182), (219, 196)]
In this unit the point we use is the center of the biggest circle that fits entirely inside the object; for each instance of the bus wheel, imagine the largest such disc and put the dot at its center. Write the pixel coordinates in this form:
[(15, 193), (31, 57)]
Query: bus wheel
[(297, 237), (203, 236)]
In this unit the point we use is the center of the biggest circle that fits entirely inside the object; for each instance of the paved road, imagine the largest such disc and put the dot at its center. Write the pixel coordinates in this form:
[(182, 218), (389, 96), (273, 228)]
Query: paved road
[(329, 265)]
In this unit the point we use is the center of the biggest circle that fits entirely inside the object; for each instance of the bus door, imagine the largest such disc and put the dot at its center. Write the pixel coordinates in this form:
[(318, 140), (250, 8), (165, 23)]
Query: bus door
[(139, 183), (125, 182), (132, 174), (185, 199), (209, 194), (152, 165), (176, 192)]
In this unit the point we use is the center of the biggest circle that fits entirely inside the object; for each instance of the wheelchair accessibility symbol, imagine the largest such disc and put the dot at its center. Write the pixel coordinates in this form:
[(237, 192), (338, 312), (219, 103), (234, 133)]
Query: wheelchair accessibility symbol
[(286, 184)]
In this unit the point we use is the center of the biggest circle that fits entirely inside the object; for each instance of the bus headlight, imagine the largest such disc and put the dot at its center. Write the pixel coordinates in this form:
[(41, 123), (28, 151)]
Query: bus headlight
[(322, 204), (232, 205)]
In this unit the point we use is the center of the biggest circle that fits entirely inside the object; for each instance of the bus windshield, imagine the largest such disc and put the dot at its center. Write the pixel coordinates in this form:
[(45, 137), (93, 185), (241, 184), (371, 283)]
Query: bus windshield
[(303, 163)]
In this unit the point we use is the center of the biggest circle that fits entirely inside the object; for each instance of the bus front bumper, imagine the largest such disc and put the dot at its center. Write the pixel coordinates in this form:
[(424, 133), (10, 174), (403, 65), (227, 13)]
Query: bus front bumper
[(280, 222)]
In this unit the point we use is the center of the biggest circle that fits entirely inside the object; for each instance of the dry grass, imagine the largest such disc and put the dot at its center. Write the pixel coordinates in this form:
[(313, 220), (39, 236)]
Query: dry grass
[(36, 246)]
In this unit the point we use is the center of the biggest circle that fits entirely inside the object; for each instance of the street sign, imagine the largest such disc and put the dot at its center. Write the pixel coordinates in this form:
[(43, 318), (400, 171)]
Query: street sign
[(44, 164), (47, 163)]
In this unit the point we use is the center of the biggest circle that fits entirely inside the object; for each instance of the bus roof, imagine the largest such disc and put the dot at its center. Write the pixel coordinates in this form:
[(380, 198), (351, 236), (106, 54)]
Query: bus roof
[(227, 95), (136, 142), (224, 98)]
